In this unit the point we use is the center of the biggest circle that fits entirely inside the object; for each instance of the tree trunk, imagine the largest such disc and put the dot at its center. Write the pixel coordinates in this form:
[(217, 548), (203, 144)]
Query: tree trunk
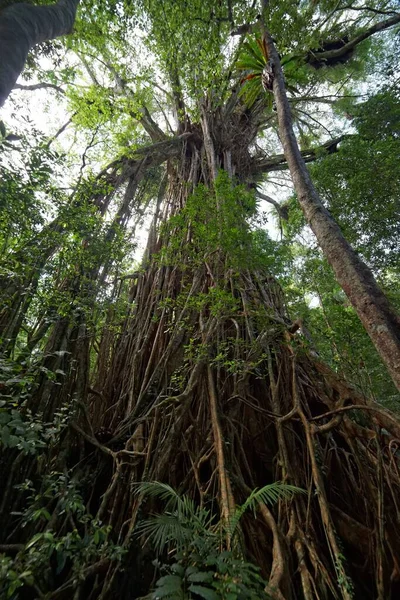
[(22, 26), (374, 310)]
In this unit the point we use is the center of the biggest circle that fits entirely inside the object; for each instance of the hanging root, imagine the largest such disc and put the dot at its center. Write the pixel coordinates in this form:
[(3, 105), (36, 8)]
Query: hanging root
[(273, 413)]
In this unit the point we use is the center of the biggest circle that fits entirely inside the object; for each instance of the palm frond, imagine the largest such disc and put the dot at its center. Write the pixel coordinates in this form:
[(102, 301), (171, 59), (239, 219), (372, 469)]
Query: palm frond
[(180, 522), (269, 494), (157, 489), (165, 530)]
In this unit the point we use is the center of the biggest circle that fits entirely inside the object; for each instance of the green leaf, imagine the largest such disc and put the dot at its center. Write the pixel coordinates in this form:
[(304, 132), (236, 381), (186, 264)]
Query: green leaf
[(169, 586), (5, 435), (34, 540), (171, 580), (203, 592), (14, 585), (178, 569), (61, 560), (5, 417), (13, 441), (202, 577)]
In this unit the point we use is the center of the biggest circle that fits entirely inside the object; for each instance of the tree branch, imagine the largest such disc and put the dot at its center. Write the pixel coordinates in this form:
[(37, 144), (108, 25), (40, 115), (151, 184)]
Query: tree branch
[(39, 86), (281, 211), (341, 48), (180, 107), (153, 154), (61, 130), (150, 126), (278, 162), (370, 9)]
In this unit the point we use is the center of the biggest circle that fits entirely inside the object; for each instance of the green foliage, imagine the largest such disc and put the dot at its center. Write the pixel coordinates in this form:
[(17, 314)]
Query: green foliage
[(19, 428), (190, 42), (27, 184), (181, 520), (361, 182), (251, 63), (269, 494), (215, 219), (10, 579), (47, 553), (336, 332), (65, 246), (212, 576), (193, 536)]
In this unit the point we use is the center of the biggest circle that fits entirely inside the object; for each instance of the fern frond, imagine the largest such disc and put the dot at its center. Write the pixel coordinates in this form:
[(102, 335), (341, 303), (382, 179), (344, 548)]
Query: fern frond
[(263, 48), (181, 521), (247, 63), (249, 77), (250, 91), (252, 49)]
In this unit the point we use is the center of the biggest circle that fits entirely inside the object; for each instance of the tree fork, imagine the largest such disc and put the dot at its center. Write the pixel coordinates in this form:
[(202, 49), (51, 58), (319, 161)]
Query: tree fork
[(354, 276)]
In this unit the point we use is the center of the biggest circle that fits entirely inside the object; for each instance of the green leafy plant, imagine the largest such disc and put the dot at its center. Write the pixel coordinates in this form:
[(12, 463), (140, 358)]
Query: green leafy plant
[(253, 60), (193, 536), (47, 553)]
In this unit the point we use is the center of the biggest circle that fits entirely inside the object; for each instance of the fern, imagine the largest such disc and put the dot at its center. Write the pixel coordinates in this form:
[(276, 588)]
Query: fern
[(252, 61)]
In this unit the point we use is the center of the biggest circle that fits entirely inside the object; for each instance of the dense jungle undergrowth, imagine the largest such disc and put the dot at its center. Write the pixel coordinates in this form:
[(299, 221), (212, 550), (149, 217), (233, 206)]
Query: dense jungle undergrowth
[(189, 425)]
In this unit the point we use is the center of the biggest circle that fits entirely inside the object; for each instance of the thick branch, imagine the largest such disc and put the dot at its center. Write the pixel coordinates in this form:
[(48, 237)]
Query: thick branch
[(341, 48), (278, 162), (282, 211), (153, 154), (22, 26), (39, 86), (179, 102), (150, 126)]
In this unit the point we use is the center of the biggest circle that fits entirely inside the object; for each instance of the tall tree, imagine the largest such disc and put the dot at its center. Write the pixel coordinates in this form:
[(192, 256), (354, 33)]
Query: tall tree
[(185, 373), (377, 315)]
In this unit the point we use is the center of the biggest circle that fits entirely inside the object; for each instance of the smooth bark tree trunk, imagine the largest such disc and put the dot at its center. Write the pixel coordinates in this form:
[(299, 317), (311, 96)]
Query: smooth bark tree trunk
[(377, 315), (22, 26)]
